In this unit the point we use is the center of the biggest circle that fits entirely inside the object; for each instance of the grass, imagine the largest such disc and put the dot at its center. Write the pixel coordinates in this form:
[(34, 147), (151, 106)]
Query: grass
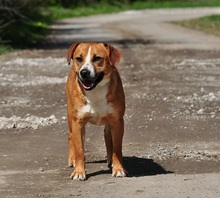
[(208, 24), (175, 4), (5, 49), (102, 8), (60, 13)]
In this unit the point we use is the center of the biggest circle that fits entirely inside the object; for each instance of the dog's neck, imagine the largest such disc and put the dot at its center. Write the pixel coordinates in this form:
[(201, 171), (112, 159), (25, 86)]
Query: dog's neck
[(96, 103), (99, 93)]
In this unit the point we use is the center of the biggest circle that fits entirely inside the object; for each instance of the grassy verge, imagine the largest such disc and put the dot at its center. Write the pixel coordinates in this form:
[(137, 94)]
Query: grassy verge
[(208, 24), (175, 4), (61, 13), (101, 8)]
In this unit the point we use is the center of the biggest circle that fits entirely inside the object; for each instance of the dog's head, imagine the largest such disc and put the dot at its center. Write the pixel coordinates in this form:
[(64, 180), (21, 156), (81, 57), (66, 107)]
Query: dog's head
[(93, 62)]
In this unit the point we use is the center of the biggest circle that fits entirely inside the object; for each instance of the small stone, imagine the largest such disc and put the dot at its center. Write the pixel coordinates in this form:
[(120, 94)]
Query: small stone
[(200, 111), (213, 116), (35, 126), (64, 118), (41, 169)]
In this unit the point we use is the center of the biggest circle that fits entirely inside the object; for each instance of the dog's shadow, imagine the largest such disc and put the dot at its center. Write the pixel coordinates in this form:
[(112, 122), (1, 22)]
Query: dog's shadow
[(135, 167)]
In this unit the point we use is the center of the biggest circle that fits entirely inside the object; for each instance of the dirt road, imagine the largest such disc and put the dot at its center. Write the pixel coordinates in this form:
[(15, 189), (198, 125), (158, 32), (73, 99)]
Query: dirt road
[(171, 78)]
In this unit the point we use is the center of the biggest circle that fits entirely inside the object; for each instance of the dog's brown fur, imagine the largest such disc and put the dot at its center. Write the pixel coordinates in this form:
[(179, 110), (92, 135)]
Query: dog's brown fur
[(82, 106)]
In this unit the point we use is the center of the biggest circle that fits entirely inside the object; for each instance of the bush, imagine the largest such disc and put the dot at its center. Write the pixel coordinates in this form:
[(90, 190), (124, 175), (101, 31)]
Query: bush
[(20, 23)]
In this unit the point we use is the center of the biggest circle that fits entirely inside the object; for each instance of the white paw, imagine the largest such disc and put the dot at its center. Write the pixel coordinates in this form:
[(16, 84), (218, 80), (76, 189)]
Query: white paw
[(119, 173), (79, 176)]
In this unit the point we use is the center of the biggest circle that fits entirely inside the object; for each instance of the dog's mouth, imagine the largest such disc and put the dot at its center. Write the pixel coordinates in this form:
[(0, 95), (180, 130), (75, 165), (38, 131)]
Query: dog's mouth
[(89, 84)]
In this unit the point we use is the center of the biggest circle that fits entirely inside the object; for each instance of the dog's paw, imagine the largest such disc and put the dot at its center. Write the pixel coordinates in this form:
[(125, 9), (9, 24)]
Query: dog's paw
[(120, 172), (80, 176)]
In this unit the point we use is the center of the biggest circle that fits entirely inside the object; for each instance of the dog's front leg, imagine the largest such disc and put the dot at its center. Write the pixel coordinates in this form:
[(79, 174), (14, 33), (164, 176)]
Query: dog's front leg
[(117, 132), (78, 134), (71, 152)]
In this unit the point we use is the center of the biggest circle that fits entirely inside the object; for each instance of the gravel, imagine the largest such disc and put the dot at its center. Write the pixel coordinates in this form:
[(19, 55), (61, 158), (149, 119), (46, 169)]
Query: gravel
[(29, 121)]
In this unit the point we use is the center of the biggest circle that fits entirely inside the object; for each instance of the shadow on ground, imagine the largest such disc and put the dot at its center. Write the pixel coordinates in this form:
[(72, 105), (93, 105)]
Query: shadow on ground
[(63, 34), (135, 166), (66, 44)]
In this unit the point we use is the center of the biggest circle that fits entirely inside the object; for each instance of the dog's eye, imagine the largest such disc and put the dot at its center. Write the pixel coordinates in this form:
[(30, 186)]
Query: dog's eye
[(97, 59), (79, 59)]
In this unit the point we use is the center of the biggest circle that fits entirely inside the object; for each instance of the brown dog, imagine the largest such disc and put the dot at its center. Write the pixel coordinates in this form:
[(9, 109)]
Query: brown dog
[(95, 94)]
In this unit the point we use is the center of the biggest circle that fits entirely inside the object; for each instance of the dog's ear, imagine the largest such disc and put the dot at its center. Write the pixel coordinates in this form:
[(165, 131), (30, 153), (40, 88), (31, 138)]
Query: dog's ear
[(70, 52), (114, 54)]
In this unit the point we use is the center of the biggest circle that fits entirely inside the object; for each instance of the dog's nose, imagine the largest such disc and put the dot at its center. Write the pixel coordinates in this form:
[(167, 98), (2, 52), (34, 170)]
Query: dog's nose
[(85, 73)]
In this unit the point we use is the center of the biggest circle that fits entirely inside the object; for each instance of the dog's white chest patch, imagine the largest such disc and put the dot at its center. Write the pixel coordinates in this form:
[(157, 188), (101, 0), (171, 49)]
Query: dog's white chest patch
[(97, 106)]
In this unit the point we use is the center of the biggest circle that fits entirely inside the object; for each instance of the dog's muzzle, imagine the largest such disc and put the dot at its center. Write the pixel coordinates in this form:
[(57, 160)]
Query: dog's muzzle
[(87, 82)]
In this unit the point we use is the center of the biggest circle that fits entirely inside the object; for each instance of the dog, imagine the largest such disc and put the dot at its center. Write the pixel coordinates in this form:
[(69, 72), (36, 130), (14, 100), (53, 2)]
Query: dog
[(94, 94)]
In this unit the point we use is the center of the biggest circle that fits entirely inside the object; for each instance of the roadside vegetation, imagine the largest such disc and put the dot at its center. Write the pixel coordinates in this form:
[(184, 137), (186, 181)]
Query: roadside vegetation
[(208, 24), (23, 23)]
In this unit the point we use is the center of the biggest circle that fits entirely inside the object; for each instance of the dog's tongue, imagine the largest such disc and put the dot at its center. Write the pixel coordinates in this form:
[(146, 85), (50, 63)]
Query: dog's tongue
[(87, 84)]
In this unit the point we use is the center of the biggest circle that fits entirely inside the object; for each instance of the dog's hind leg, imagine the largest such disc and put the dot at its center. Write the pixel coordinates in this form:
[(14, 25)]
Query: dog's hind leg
[(117, 132), (108, 144)]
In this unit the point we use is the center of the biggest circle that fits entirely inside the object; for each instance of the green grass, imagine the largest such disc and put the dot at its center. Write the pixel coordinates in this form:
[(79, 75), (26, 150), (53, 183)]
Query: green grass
[(5, 49), (208, 24), (61, 13), (101, 8), (175, 4)]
